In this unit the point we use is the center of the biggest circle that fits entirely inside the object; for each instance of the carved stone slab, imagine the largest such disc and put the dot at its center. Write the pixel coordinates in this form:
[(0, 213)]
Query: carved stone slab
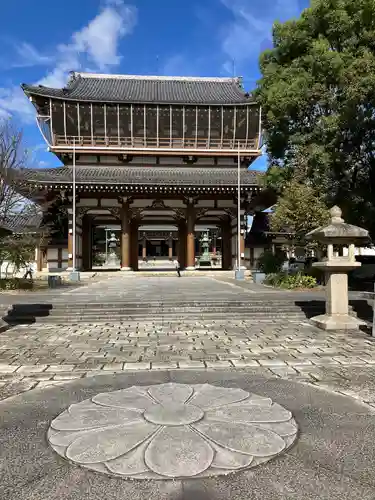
[(171, 431)]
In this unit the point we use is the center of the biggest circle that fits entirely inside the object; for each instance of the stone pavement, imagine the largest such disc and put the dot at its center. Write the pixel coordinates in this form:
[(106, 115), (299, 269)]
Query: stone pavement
[(186, 435), (196, 389), (40, 355)]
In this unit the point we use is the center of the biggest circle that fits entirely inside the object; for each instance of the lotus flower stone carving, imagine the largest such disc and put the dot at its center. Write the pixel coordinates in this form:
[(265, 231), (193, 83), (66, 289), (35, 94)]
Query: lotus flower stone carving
[(172, 431)]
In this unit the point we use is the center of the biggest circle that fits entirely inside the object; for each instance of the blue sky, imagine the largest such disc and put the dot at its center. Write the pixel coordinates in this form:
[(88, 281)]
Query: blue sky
[(40, 42)]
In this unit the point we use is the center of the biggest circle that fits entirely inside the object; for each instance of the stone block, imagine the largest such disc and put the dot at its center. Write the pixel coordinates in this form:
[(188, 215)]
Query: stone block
[(337, 322)]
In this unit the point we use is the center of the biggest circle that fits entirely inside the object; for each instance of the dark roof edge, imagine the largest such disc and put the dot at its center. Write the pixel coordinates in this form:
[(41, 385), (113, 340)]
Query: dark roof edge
[(32, 90)]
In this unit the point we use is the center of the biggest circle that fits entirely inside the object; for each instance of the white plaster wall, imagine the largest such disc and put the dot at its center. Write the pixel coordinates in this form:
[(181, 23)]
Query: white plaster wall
[(109, 203), (88, 202), (8, 270), (206, 203), (361, 251), (52, 253), (226, 204), (246, 259)]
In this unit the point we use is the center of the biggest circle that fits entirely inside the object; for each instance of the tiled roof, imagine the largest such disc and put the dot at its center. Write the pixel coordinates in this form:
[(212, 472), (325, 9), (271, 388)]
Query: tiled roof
[(185, 176), (146, 89), (21, 223)]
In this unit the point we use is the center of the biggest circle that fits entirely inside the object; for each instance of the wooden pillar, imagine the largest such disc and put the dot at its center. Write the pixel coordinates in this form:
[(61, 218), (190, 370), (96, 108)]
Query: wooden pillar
[(86, 247), (252, 259), (181, 255), (170, 248), (70, 248), (227, 246), (190, 238), (242, 250), (39, 258), (59, 258), (134, 257), (144, 248), (125, 238)]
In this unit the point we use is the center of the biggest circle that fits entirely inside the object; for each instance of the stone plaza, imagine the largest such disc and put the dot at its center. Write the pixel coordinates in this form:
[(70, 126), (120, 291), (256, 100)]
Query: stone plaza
[(199, 387), (147, 385)]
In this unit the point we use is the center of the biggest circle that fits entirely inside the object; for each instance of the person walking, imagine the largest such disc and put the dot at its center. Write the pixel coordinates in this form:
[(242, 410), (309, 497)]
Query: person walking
[(29, 272), (178, 267)]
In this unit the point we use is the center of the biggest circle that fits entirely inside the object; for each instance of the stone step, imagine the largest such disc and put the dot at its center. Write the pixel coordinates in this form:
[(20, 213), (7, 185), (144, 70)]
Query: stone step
[(145, 306), (164, 306), (164, 310), (189, 318), (149, 310)]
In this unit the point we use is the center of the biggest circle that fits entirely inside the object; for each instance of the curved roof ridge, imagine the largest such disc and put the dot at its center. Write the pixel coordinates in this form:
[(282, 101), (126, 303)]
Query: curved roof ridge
[(93, 87), (143, 176), (113, 76)]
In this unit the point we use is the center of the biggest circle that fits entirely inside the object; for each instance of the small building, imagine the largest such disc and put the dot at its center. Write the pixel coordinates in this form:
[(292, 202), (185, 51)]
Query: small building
[(147, 151), (19, 224)]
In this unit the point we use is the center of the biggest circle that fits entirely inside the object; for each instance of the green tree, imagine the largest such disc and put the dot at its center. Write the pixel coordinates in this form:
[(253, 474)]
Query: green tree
[(299, 210), (317, 92), (20, 228)]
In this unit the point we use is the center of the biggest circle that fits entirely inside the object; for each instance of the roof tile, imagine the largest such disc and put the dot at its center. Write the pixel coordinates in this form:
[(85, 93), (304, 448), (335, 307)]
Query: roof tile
[(134, 89), (186, 176)]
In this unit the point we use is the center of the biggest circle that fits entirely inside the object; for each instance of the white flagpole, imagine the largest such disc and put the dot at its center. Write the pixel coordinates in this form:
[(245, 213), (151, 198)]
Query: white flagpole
[(239, 210), (74, 206)]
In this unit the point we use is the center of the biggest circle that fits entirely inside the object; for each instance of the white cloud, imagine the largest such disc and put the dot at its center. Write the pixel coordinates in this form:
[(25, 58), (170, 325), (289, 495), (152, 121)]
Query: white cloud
[(251, 27), (101, 36), (13, 100), (30, 56), (95, 46)]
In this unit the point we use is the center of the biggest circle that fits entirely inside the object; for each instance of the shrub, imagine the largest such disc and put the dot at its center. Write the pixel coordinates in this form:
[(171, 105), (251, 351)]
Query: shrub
[(16, 284), (291, 281), (274, 279), (271, 263), (316, 273)]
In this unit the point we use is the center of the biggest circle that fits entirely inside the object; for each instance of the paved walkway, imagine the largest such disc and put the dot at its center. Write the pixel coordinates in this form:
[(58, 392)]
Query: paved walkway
[(42, 355)]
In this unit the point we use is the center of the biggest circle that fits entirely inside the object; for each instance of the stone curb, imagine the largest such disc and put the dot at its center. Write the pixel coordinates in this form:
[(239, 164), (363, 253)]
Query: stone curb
[(18, 384)]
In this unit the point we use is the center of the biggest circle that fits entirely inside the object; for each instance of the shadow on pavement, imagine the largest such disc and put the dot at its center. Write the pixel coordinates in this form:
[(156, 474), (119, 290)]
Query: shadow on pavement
[(26, 314), (361, 308), (191, 492)]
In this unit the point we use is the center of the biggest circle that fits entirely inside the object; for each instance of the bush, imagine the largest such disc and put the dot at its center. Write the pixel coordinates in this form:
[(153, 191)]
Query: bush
[(316, 273), (291, 281), (271, 263), (16, 284)]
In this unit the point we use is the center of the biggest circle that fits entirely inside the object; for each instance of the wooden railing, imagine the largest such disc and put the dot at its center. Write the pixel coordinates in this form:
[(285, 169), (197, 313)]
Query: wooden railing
[(142, 143)]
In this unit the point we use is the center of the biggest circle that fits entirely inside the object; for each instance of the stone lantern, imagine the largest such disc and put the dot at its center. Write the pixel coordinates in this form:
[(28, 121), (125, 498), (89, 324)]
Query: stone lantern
[(111, 259), (337, 234), (205, 258)]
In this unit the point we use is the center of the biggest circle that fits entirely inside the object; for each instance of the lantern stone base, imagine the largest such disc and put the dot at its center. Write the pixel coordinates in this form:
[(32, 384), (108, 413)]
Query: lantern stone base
[(75, 276), (337, 322), (337, 301), (239, 274), (126, 269)]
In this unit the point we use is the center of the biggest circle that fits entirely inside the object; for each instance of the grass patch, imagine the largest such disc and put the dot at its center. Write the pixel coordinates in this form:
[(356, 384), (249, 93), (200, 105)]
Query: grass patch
[(296, 281)]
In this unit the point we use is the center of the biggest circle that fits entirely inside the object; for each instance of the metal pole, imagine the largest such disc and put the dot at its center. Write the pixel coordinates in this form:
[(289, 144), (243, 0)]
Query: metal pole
[(106, 245), (74, 205), (239, 208)]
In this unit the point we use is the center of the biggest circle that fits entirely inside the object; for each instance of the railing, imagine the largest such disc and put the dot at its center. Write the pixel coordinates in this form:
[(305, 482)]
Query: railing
[(147, 143)]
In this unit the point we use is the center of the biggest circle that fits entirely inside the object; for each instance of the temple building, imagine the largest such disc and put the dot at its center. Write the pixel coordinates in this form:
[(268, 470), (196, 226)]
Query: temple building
[(153, 159)]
